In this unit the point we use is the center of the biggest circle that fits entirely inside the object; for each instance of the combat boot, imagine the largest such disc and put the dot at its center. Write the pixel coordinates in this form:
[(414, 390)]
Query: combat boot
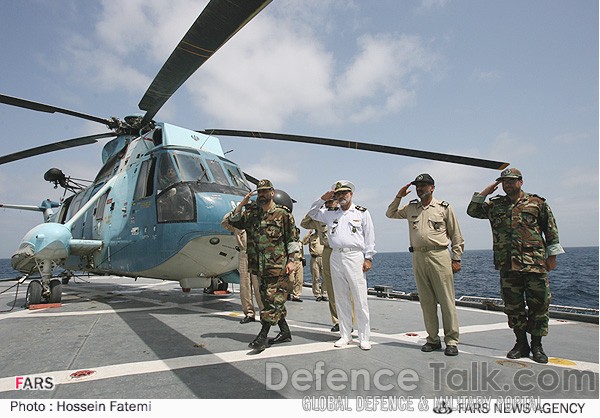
[(537, 350), (260, 342), (521, 348), (284, 336)]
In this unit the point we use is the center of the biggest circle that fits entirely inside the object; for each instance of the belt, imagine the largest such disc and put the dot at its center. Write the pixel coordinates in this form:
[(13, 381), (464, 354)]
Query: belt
[(425, 249), (345, 250)]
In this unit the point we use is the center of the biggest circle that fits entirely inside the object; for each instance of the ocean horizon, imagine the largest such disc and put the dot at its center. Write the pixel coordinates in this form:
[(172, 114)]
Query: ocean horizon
[(574, 282)]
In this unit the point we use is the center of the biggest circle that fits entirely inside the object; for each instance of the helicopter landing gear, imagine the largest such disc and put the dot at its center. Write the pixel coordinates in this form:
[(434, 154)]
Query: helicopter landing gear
[(55, 294), (38, 292), (217, 286), (65, 276), (34, 293), (46, 290)]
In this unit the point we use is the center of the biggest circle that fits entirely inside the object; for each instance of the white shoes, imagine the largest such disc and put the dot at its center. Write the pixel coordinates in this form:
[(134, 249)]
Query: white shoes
[(341, 342), (365, 345)]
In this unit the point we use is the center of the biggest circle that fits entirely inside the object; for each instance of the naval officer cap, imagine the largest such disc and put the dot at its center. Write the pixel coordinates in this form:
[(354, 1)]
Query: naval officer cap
[(510, 173), (264, 185), (342, 186), (423, 178)]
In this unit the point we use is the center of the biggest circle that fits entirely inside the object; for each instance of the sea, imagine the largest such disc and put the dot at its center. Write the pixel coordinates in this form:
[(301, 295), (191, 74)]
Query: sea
[(573, 283)]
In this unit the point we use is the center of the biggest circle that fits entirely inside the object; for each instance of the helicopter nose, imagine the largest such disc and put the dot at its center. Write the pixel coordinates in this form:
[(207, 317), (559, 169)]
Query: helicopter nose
[(48, 241)]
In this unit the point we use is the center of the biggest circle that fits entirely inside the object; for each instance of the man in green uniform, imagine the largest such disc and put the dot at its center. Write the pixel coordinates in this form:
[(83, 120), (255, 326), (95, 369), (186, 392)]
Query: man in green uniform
[(273, 247), (525, 238)]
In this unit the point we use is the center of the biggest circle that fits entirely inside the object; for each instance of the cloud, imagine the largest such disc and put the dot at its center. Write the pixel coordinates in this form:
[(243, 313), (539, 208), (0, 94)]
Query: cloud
[(382, 76), (265, 77), (486, 76), (429, 5), (280, 69), (505, 143)]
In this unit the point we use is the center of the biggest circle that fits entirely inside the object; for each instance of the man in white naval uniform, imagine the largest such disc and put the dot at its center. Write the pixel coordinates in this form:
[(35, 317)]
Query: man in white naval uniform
[(352, 238)]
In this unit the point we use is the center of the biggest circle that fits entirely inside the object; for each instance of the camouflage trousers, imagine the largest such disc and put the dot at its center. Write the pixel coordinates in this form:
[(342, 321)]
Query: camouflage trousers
[(526, 299), (273, 293)]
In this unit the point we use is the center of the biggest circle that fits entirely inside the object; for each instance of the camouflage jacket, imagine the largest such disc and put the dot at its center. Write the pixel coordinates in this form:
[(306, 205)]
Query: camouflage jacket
[(524, 233), (271, 237)]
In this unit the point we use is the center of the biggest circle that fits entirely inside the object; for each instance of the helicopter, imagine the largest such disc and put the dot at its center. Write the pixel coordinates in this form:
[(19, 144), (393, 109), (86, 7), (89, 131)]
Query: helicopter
[(154, 208)]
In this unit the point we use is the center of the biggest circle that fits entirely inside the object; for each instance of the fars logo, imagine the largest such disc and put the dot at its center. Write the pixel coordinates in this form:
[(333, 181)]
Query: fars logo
[(34, 383)]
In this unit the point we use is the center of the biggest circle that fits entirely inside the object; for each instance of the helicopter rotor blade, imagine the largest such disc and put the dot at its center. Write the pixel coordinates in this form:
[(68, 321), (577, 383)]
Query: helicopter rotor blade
[(386, 149), (251, 179), (56, 146), (41, 107), (218, 22)]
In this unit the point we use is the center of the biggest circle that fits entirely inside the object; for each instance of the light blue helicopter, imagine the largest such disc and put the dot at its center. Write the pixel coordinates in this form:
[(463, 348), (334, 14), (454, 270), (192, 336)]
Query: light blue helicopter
[(155, 208)]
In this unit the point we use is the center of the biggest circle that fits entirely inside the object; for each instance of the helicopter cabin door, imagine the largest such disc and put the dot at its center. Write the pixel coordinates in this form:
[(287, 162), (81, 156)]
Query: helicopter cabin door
[(142, 222)]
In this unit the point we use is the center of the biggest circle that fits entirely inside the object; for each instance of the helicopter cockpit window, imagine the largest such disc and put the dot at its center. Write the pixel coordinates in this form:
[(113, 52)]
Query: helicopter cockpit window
[(167, 173), (236, 176), (217, 172), (192, 168)]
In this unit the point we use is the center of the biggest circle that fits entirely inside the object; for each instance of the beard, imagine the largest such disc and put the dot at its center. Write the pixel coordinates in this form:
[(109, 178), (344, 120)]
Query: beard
[(262, 200), (343, 201)]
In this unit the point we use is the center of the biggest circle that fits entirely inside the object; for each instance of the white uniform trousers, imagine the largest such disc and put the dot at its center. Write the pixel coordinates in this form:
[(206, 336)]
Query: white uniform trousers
[(350, 284)]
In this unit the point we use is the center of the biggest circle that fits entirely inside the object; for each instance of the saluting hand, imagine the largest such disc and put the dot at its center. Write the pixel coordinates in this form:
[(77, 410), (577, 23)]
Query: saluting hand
[(403, 191), (490, 189), (328, 195), (243, 202)]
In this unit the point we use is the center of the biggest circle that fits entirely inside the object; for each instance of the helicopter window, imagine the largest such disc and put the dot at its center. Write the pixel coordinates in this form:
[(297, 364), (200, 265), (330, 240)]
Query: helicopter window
[(62, 216), (217, 172), (109, 168), (192, 168), (236, 176), (144, 185), (167, 173), (157, 136), (176, 204), (100, 206), (75, 205)]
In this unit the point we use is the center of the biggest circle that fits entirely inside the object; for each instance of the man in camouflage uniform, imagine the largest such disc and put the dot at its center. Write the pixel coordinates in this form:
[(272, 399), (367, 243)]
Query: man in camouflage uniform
[(526, 244), (273, 247)]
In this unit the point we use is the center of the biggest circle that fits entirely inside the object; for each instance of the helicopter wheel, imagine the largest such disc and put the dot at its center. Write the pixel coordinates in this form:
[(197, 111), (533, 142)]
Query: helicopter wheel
[(55, 291), (34, 293)]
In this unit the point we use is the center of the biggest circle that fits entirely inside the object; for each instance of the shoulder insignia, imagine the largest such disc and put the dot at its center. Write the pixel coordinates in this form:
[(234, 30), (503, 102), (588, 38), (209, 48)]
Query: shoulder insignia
[(536, 196), (414, 201), (495, 198), (444, 203), (283, 207), (362, 209)]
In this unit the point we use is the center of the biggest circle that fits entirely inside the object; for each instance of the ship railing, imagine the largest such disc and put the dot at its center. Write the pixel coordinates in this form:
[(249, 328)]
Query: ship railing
[(494, 304)]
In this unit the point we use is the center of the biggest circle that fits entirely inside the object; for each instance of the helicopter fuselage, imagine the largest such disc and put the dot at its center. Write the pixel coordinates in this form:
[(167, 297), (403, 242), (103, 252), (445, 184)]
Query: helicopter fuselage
[(154, 210)]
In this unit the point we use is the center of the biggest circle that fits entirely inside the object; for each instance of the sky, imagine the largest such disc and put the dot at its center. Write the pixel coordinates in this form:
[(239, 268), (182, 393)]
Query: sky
[(503, 80)]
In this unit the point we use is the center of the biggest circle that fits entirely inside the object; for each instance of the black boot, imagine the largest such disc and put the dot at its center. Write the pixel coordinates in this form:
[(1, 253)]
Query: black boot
[(260, 342), (284, 336), (537, 350), (521, 348)]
